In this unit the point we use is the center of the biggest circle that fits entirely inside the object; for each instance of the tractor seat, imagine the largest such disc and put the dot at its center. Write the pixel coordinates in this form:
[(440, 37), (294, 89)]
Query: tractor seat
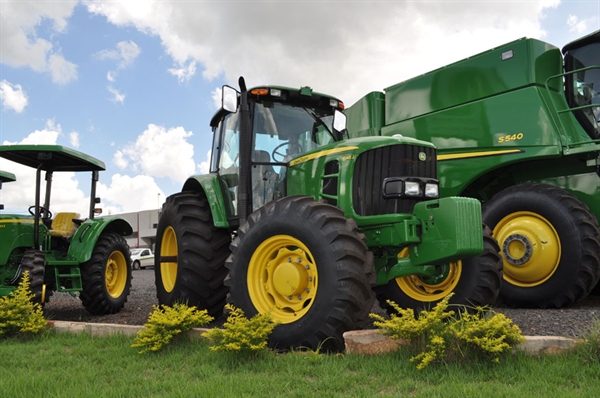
[(63, 225)]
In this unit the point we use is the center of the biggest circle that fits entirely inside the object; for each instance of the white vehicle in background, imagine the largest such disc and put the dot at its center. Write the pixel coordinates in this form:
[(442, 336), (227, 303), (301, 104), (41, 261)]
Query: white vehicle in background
[(142, 258)]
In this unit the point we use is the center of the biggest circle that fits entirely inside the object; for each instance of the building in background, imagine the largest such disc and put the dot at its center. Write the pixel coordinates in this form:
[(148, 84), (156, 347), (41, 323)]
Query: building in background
[(144, 225)]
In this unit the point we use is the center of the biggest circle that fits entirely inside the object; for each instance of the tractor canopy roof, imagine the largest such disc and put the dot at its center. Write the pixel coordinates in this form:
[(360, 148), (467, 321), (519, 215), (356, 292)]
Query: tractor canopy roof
[(5, 176), (51, 158)]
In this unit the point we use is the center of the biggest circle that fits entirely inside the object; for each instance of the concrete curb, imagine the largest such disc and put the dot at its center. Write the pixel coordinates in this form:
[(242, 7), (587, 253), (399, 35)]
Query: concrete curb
[(364, 342)]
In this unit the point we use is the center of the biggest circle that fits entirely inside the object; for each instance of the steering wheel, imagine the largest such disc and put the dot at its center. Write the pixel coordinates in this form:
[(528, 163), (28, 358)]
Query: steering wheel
[(276, 152), (42, 210)]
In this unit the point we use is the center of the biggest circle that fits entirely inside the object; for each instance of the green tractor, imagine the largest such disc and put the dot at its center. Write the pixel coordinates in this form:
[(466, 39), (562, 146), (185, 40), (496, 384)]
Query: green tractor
[(5, 176), (64, 253), (516, 127), (298, 221)]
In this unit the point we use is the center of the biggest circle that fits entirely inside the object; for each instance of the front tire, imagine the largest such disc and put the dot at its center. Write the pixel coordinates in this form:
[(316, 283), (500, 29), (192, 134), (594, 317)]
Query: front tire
[(550, 244), (306, 265), (106, 277), (190, 255), (34, 261), (475, 282), (136, 265)]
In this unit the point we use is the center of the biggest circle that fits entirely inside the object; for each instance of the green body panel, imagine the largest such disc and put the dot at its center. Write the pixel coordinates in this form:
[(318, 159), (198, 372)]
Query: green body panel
[(85, 238), (16, 231), (302, 171), (496, 123), (213, 190), (437, 232)]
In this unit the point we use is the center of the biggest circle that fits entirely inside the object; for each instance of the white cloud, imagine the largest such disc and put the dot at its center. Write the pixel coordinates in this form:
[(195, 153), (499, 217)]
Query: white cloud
[(12, 96), (74, 139), (117, 97), (216, 95), (110, 76), (20, 44), (204, 166), (62, 71), (159, 153), (127, 194), (577, 25), (184, 74), (125, 53), (66, 195), (47, 136), (338, 53)]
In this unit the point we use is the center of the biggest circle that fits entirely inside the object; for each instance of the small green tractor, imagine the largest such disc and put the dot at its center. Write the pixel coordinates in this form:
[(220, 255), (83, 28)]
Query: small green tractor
[(516, 127), (298, 221), (64, 253)]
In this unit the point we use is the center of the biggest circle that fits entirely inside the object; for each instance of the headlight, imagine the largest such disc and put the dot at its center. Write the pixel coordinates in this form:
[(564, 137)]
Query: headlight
[(432, 190), (412, 188)]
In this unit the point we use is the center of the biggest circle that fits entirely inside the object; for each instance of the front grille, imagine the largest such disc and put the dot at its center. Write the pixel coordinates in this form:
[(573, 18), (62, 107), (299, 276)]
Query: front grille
[(372, 167)]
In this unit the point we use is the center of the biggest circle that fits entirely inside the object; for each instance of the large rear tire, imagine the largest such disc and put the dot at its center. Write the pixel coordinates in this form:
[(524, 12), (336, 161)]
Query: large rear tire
[(550, 243), (190, 255), (308, 266), (474, 281), (34, 261), (106, 277)]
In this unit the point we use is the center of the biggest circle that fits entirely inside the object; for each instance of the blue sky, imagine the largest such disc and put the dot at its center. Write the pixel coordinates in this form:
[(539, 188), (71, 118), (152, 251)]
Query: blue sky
[(134, 83)]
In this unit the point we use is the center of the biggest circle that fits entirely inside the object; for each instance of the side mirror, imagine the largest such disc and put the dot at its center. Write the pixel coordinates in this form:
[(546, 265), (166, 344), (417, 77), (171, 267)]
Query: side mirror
[(229, 99), (339, 123), (96, 200)]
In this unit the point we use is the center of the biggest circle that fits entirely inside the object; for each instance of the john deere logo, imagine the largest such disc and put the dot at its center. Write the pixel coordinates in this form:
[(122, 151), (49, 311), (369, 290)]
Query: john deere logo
[(422, 156)]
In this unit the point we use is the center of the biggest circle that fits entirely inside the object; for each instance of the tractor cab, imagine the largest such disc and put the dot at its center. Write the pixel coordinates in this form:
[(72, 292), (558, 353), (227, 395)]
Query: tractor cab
[(281, 124), (5, 176), (582, 81)]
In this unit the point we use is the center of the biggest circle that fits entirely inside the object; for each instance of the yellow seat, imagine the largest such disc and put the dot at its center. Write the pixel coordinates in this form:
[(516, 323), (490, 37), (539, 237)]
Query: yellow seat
[(63, 225)]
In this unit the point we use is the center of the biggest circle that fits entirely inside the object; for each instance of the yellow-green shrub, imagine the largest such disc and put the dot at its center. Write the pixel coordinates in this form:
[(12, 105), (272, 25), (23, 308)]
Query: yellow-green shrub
[(18, 314), (440, 334), (164, 323), (240, 333)]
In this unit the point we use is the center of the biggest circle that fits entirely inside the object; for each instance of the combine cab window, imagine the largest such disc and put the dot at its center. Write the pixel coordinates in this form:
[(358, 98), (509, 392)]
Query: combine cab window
[(583, 86)]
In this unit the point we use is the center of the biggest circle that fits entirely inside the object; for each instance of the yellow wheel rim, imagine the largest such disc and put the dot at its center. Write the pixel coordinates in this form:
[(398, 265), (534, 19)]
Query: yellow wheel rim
[(428, 290), (115, 277), (530, 247), (168, 259), (282, 278)]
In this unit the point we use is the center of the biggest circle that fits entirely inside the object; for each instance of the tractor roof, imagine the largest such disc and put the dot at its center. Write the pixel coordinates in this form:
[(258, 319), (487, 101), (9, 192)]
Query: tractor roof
[(51, 157), (5, 176)]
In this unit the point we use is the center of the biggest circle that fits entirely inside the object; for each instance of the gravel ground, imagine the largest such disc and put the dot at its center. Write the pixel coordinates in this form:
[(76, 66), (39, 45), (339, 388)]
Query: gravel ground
[(570, 322)]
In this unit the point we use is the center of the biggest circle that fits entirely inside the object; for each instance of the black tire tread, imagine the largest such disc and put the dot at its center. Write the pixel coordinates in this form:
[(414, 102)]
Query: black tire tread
[(354, 272), (203, 249), (584, 276)]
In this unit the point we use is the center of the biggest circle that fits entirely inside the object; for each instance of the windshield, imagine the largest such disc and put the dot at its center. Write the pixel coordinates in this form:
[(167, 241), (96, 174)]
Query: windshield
[(285, 131), (583, 87)]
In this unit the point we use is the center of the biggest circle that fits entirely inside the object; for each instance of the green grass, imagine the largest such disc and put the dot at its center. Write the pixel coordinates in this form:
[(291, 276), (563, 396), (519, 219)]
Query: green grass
[(78, 365)]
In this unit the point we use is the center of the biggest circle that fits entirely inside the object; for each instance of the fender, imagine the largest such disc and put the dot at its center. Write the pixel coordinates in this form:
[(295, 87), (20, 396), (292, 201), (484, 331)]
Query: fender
[(86, 236), (210, 186)]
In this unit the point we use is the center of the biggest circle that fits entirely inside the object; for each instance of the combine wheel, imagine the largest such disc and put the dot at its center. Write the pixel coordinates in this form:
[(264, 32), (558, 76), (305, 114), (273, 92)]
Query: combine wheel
[(106, 277), (34, 261), (550, 243), (304, 263), (474, 281), (190, 255)]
